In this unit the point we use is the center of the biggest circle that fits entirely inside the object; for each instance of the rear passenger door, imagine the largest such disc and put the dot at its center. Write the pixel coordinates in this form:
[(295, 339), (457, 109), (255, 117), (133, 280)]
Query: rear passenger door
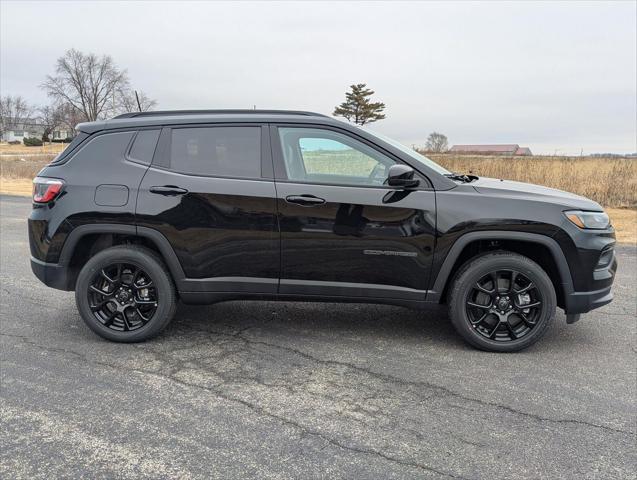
[(210, 192)]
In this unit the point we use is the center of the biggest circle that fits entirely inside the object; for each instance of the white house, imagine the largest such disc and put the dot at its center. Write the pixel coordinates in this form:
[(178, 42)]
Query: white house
[(31, 128)]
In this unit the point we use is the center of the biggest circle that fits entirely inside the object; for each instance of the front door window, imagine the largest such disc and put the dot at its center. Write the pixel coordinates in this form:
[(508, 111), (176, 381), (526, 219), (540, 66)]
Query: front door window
[(314, 155)]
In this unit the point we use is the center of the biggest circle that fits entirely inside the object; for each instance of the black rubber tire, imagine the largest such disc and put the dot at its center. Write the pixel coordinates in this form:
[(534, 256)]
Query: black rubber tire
[(151, 263), (475, 269)]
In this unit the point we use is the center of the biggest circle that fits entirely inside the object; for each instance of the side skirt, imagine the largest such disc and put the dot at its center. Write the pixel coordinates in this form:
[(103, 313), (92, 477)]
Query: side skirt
[(207, 298), (211, 290)]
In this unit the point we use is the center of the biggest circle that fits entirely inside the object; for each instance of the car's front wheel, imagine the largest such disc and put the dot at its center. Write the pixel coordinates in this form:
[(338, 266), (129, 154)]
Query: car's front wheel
[(125, 294), (502, 302)]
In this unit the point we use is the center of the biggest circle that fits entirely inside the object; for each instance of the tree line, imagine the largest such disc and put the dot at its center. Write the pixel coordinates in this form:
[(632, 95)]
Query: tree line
[(83, 88), (86, 87)]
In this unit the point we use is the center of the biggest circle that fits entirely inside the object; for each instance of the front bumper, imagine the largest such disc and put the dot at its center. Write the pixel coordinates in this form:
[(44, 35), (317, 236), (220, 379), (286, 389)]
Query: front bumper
[(582, 302), (51, 274)]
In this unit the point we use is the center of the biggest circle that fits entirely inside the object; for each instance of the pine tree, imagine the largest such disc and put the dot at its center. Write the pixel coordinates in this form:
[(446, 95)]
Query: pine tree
[(358, 107)]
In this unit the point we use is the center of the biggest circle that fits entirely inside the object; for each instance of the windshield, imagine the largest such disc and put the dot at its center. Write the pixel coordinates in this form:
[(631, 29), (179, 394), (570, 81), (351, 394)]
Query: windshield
[(411, 152)]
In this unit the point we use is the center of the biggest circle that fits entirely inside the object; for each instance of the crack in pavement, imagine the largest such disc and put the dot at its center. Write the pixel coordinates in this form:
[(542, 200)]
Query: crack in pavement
[(382, 376), (306, 431), (432, 386), (253, 407)]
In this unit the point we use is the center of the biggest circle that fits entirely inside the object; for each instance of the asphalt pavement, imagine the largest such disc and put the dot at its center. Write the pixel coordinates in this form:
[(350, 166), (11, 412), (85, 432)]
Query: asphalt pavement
[(307, 390)]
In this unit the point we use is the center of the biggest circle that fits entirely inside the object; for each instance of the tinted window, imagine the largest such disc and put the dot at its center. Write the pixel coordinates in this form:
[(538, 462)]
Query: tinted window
[(144, 146), (79, 138), (104, 148), (323, 156), (217, 151)]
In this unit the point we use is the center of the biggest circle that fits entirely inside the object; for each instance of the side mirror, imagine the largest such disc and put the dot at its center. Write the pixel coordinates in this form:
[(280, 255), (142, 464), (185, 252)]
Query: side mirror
[(402, 176)]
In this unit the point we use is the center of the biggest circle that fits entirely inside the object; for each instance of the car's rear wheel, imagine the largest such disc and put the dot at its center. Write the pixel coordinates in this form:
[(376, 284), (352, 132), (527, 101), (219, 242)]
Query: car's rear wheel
[(125, 294), (502, 302)]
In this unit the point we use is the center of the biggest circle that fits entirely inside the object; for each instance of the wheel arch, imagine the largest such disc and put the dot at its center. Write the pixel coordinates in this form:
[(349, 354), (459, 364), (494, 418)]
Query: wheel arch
[(86, 240), (542, 249)]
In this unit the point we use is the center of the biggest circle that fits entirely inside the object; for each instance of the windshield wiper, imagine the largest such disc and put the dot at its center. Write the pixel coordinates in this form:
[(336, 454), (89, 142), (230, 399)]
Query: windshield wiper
[(461, 177)]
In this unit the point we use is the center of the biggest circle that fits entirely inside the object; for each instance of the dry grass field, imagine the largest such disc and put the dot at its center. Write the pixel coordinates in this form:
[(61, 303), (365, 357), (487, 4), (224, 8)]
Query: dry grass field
[(611, 182), (21, 167), (54, 148), (15, 186), (625, 222)]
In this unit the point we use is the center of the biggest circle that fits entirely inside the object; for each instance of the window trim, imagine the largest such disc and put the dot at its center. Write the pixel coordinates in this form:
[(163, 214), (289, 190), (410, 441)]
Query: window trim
[(161, 159), (138, 161), (280, 173), (85, 142)]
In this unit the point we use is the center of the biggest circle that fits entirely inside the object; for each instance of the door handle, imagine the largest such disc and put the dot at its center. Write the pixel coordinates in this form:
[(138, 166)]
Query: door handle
[(168, 190), (305, 200)]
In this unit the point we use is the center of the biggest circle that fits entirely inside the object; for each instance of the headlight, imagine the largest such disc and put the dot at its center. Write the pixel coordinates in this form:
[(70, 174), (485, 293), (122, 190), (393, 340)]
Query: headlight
[(596, 220)]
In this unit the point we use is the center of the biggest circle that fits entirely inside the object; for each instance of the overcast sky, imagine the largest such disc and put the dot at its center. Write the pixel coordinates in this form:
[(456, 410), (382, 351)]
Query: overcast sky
[(544, 75)]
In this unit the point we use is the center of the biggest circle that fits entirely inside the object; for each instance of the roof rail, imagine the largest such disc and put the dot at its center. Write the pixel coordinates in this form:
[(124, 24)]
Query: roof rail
[(161, 113)]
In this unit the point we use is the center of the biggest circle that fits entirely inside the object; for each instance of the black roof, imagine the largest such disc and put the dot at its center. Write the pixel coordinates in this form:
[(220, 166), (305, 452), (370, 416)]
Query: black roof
[(172, 117)]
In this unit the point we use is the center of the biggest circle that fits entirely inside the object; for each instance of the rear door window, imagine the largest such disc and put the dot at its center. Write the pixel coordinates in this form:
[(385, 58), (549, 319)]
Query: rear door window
[(217, 151)]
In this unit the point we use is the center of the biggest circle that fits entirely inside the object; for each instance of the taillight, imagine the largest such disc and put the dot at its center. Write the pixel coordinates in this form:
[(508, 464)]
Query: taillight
[(46, 189)]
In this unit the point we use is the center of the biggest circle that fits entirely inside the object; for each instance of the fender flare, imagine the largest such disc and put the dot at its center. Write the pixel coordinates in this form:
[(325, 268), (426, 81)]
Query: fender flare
[(566, 280), (160, 241)]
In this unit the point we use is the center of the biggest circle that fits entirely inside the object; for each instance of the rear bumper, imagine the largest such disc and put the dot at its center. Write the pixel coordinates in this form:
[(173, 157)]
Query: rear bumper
[(51, 274)]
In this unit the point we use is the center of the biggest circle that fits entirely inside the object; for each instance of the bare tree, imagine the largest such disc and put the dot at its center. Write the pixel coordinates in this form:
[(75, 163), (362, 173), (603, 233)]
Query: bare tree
[(437, 143), (70, 116), (92, 85), (13, 111), (128, 101), (50, 116)]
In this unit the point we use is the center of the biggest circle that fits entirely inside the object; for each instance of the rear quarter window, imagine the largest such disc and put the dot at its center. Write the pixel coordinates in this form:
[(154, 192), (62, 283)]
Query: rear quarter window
[(217, 151), (143, 147), (65, 154), (103, 149)]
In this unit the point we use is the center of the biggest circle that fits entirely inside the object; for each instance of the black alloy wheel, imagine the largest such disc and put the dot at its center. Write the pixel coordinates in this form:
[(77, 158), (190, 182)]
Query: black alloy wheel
[(501, 301), (504, 305), (122, 297), (126, 294)]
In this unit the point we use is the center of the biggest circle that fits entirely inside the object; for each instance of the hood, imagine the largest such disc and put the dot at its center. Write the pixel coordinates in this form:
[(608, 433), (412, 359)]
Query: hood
[(508, 188)]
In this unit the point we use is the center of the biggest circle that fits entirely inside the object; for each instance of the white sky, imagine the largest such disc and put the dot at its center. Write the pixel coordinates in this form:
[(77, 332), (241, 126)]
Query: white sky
[(544, 75)]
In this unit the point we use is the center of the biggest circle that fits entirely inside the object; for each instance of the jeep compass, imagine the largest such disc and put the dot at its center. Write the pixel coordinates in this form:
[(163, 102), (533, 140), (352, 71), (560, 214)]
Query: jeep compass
[(151, 208)]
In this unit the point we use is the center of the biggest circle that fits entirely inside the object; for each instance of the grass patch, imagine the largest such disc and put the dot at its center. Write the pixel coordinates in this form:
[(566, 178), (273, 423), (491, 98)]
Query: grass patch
[(23, 167), (345, 162), (625, 222), (54, 148)]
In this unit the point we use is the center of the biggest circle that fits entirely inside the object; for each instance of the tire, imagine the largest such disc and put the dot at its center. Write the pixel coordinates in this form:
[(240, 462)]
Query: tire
[(131, 292), (495, 319)]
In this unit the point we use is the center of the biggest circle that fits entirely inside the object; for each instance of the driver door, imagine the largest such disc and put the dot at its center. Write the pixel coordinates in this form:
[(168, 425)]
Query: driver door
[(343, 231)]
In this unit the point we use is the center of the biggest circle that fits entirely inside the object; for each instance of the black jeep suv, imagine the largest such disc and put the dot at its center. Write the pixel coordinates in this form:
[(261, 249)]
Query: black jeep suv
[(204, 206)]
